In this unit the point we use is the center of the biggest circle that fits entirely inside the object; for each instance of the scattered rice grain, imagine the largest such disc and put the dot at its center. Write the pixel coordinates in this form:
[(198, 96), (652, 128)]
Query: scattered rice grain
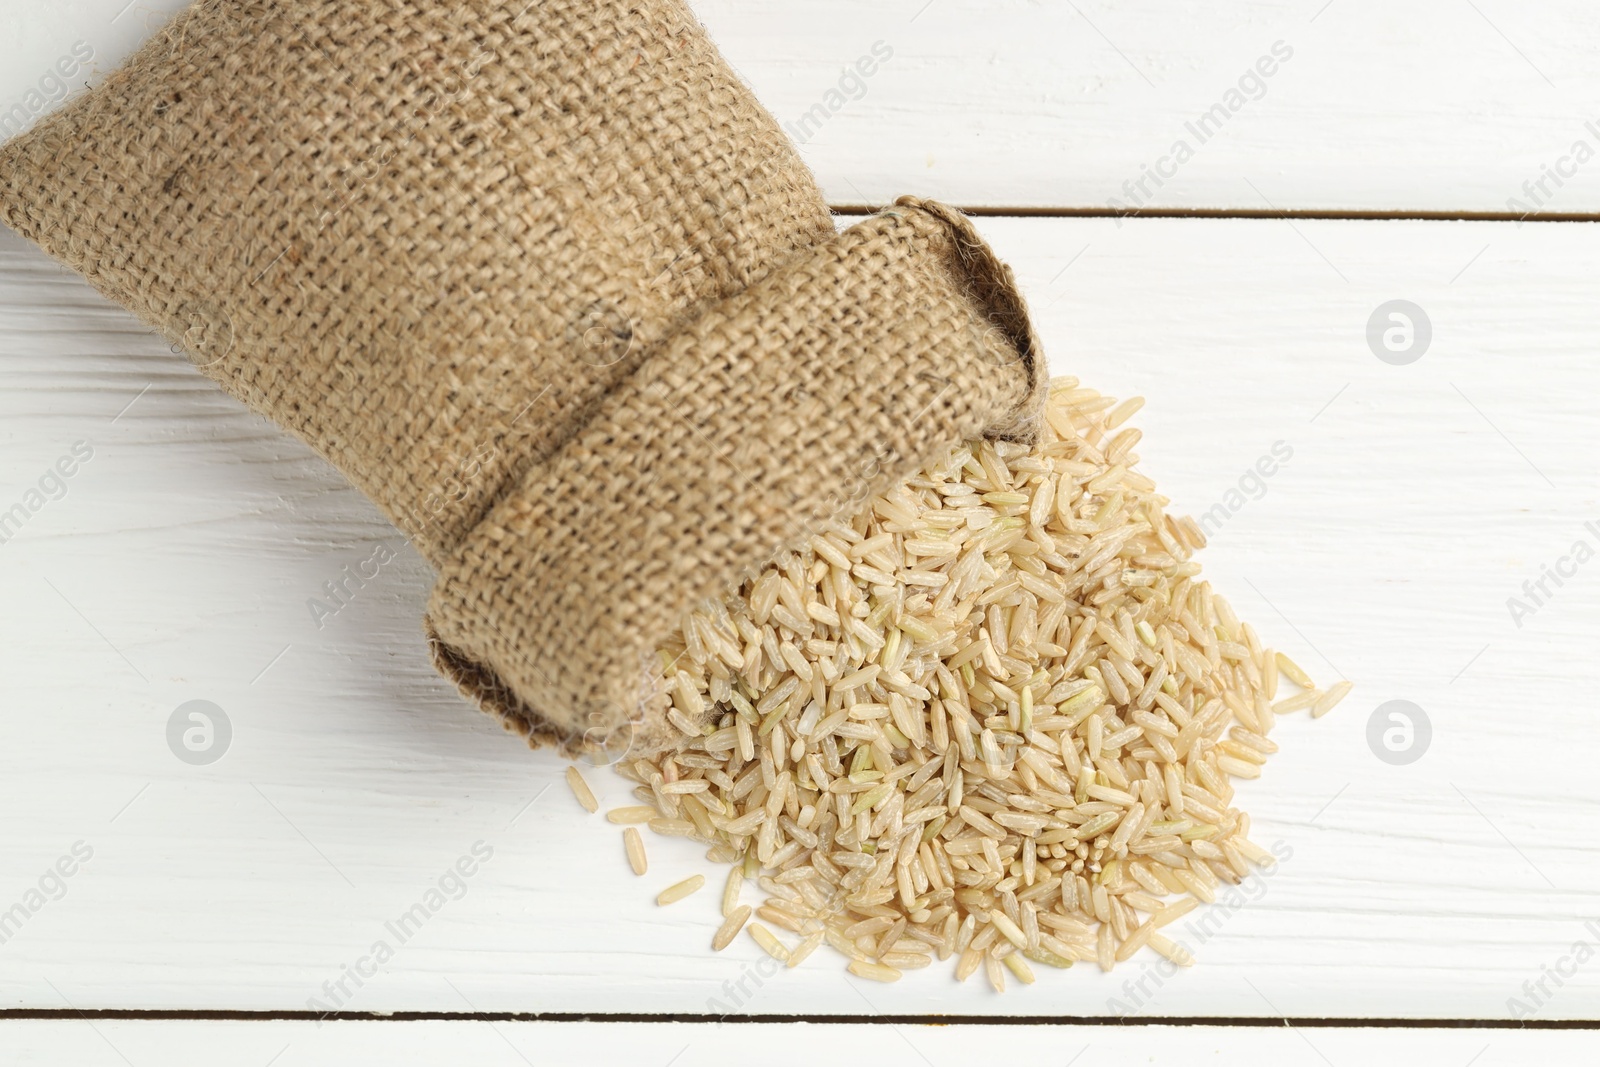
[(581, 790), (634, 845), (875, 971), (1325, 703), (678, 890), (730, 928)]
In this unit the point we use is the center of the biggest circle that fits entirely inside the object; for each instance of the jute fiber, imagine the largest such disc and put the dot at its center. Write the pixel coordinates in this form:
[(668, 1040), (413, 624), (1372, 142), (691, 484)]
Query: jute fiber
[(546, 283)]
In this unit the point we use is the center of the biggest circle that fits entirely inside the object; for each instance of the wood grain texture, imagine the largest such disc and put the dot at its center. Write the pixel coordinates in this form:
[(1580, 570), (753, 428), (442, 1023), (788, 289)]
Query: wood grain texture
[(179, 563), (116, 1043), (1435, 105)]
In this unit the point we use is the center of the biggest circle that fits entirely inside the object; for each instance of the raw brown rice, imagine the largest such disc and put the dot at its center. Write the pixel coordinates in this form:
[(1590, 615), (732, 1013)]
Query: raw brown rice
[(1326, 702), (634, 845), (678, 890), (581, 790), (769, 942), (730, 928), (994, 719)]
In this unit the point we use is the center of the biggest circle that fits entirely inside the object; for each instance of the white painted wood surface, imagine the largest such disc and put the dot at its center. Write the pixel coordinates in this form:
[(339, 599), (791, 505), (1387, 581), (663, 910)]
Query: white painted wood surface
[(1418, 499), (117, 1043), (177, 562), (1442, 105)]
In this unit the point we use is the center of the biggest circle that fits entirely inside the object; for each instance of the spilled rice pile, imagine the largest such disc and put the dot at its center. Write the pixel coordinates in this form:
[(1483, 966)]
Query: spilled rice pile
[(996, 720)]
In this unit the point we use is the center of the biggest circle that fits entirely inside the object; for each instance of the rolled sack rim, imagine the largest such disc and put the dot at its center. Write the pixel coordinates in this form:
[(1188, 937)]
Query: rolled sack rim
[(466, 640)]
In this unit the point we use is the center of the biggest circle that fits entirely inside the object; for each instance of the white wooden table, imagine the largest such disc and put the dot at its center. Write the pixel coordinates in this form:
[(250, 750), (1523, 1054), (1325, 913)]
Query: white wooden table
[(1431, 899)]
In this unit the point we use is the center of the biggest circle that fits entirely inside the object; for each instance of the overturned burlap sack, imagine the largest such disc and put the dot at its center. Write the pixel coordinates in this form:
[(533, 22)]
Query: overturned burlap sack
[(550, 287)]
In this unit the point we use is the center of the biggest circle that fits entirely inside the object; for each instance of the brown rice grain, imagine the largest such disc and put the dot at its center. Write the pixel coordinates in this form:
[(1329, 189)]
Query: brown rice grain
[(1172, 950), (731, 889), (678, 890), (633, 844), (1326, 703), (805, 948), (875, 971), (730, 928), (1292, 671), (997, 978), (581, 790), (1299, 702)]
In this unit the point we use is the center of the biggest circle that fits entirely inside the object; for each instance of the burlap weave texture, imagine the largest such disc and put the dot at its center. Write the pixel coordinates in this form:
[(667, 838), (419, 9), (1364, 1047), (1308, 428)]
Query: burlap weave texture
[(549, 286)]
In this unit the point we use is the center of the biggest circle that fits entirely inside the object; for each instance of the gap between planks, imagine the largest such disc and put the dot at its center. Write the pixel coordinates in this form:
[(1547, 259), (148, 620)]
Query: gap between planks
[(1236, 1022), (1294, 214)]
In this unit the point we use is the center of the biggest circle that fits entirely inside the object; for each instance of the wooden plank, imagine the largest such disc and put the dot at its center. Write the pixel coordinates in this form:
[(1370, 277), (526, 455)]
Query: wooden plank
[(117, 1042), (178, 562), (1435, 105)]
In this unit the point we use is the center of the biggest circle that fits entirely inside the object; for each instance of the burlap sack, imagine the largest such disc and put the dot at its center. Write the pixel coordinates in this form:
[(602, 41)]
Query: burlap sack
[(550, 287)]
